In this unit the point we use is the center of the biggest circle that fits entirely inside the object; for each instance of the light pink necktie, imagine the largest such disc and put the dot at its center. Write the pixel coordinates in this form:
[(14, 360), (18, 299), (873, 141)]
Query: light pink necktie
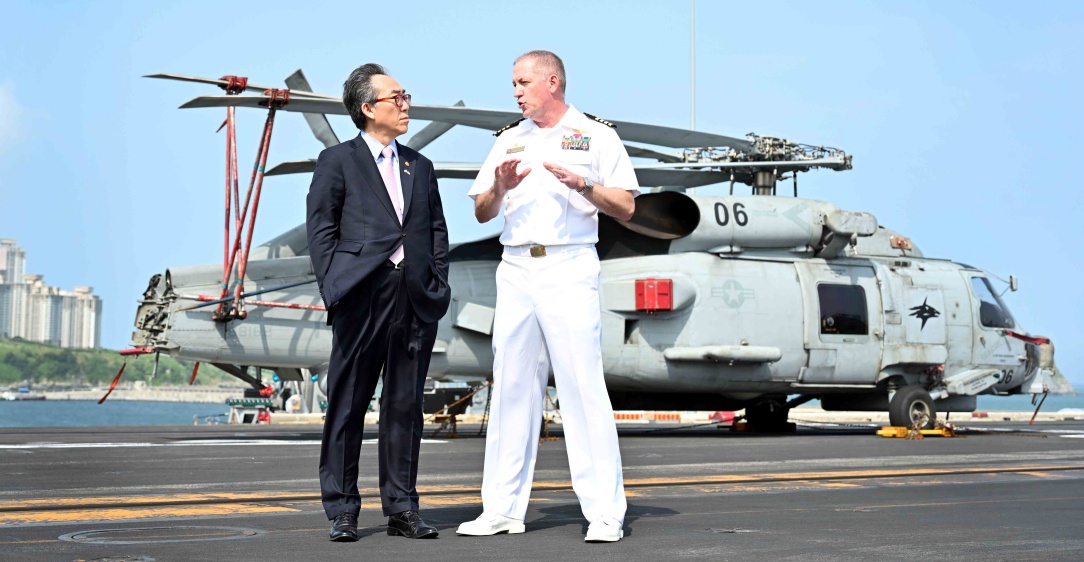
[(387, 171)]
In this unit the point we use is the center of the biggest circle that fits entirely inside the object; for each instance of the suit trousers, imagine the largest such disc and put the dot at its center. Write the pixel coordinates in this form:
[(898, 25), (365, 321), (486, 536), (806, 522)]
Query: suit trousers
[(375, 328), (547, 314)]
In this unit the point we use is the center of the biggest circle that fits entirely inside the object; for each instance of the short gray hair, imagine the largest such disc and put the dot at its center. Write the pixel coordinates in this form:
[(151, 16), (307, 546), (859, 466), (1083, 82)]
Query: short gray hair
[(358, 89), (548, 63)]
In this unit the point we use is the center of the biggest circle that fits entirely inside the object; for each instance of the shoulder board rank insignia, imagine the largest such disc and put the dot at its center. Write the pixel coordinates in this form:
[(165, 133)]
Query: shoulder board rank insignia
[(600, 120), (508, 126)]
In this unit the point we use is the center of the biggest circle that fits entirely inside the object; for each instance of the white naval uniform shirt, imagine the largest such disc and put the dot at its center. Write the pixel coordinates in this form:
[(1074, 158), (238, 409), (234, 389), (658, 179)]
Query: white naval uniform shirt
[(376, 148), (542, 210)]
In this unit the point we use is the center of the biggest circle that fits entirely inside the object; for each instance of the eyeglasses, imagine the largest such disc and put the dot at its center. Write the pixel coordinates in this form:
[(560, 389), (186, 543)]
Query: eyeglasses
[(399, 100)]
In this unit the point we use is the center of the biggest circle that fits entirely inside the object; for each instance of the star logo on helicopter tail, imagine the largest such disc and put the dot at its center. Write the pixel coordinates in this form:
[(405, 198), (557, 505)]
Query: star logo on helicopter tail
[(924, 312)]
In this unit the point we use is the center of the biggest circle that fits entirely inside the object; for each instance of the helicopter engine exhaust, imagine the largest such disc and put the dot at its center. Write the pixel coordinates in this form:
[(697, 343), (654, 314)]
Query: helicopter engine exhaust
[(667, 215)]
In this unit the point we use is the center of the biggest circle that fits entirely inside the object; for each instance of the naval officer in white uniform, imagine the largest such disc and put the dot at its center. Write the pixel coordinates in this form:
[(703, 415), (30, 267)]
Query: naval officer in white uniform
[(553, 172)]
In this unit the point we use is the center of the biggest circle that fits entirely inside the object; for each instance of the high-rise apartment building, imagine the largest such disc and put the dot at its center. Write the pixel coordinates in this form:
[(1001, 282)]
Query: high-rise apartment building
[(34, 311)]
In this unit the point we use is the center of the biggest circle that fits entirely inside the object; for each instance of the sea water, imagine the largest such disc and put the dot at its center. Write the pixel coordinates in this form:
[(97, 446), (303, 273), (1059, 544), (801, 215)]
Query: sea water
[(86, 413)]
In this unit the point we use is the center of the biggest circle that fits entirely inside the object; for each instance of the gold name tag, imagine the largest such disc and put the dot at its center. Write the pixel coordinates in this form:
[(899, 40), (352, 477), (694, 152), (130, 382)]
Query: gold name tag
[(515, 149)]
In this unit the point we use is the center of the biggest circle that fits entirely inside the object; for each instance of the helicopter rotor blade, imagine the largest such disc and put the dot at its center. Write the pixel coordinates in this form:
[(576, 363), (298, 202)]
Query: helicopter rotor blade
[(838, 163), (317, 121), (223, 83), (491, 119), (451, 170), (639, 152), (422, 138), (647, 176), (292, 167)]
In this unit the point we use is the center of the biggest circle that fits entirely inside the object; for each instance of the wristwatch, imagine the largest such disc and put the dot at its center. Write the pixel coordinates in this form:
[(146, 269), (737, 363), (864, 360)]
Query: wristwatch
[(587, 185)]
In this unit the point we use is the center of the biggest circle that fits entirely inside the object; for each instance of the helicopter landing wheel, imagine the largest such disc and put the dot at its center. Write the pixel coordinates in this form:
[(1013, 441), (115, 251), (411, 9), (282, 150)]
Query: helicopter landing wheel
[(769, 417), (911, 404)]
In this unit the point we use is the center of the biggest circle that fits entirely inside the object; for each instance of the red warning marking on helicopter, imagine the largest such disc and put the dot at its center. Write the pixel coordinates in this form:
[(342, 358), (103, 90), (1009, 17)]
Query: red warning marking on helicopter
[(654, 294)]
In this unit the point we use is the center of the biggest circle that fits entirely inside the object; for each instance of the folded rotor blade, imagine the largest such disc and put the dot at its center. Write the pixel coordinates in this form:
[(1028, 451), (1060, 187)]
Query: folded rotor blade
[(430, 133), (490, 119), (678, 138), (646, 175), (293, 167), (456, 170), (637, 152), (452, 170), (317, 121), (223, 83), (831, 162), (333, 106), (635, 132), (663, 177)]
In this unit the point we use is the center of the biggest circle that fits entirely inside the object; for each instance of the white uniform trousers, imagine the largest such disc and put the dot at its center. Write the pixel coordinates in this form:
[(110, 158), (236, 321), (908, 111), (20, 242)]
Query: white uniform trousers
[(548, 313)]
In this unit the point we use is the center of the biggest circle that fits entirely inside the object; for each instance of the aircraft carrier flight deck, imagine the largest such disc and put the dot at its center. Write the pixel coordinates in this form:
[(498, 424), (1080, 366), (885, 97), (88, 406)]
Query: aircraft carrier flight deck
[(1005, 491)]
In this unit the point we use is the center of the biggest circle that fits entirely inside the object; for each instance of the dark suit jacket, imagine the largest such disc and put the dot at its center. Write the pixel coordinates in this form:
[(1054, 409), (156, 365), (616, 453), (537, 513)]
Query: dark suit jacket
[(352, 227)]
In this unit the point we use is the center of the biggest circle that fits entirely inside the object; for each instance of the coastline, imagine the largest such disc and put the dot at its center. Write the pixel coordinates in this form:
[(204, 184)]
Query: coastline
[(188, 394)]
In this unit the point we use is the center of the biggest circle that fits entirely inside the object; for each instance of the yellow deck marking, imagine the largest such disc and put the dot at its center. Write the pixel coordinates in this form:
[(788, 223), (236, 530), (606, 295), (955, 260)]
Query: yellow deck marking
[(121, 507), (836, 474), (101, 501), (113, 514), (1043, 475), (450, 489), (432, 501)]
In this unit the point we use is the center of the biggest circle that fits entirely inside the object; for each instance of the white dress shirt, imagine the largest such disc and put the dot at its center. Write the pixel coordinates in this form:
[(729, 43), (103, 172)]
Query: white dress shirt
[(376, 148), (542, 210)]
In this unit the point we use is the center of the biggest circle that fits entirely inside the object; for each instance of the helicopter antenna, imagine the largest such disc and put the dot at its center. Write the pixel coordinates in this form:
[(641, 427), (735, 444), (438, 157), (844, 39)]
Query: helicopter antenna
[(692, 64)]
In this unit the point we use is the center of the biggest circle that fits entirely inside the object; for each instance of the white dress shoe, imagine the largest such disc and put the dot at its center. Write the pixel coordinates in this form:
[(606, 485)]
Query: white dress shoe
[(490, 524), (604, 530)]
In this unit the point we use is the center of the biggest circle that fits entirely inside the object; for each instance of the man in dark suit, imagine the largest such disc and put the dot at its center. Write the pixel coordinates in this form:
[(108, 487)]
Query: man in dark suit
[(379, 249)]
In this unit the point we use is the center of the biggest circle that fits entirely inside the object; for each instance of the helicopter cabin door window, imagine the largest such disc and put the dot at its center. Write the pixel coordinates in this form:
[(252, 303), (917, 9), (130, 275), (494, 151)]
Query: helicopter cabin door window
[(840, 322), (843, 310), (992, 310)]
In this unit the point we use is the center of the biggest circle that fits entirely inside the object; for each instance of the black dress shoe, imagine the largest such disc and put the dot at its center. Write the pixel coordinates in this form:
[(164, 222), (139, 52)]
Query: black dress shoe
[(410, 525), (345, 528)]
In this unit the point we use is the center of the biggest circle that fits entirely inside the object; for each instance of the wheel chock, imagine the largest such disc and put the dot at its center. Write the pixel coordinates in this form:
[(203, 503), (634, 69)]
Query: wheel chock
[(908, 433)]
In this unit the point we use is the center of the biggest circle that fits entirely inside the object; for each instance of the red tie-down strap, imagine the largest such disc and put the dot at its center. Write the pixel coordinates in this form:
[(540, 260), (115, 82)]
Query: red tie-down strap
[(194, 371), (115, 380), (1037, 340), (234, 84), (125, 353)]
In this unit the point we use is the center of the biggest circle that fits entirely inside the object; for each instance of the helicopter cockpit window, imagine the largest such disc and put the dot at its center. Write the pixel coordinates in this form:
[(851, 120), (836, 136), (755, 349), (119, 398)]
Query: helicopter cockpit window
[(843, 310), (992, 310)]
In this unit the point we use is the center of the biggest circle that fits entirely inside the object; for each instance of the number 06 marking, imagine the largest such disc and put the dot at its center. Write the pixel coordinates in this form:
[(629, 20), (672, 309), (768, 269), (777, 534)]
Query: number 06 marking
[(722, 214)]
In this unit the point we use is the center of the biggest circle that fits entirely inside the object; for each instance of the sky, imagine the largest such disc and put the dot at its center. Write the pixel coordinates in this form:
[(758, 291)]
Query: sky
[(964, 118)]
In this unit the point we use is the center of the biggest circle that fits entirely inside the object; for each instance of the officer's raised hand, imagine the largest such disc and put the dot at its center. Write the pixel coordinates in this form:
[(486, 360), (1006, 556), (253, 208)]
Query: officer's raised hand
[(505, 177), (564, 175), (616, 202)]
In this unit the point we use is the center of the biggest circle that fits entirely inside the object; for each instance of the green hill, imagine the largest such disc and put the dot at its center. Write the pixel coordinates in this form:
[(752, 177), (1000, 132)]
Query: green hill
[(23, 362)]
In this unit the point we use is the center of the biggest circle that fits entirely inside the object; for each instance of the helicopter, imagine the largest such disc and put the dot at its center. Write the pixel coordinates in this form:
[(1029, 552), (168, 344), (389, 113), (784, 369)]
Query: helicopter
[(759, 302)]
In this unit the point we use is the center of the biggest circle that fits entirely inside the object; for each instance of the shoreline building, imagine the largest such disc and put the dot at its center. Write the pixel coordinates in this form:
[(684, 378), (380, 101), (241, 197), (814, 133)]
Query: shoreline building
[(34, 311)]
